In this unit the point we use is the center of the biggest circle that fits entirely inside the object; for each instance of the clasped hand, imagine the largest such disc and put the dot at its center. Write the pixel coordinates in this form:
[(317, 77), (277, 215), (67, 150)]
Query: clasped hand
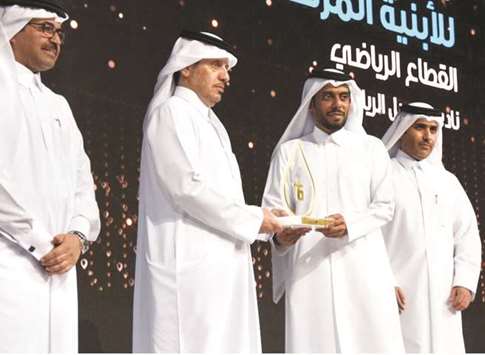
[(64, 255)]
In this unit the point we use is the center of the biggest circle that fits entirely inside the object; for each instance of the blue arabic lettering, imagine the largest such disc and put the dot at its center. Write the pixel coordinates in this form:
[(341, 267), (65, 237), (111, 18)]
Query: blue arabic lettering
[(310, 3)]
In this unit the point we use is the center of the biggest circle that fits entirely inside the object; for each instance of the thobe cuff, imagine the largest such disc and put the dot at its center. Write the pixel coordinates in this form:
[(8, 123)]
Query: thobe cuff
[(467, 280), (37, 242), (264, 237), (253, 225), (352, 227), (81, 224)]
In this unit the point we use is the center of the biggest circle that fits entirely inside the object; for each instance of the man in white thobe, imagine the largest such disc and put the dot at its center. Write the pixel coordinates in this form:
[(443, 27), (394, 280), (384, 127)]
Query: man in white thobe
[(337, 280), (48, 210), (195, 287), (433, 240)]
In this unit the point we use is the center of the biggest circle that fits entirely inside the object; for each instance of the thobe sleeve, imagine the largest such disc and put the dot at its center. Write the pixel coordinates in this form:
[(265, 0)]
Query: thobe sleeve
[(272, 190), (85, 218), (172, 143), (467, 248), (381, 207), (272, 199), (18, 224)]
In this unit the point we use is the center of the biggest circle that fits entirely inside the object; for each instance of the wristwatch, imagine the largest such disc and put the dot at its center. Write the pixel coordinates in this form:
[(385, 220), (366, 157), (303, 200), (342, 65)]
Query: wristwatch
[(276, 241), (82, 239)]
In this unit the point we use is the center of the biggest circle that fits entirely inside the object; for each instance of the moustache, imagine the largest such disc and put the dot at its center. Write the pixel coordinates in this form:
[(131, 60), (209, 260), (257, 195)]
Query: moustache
[(336, 111), (51, 47)]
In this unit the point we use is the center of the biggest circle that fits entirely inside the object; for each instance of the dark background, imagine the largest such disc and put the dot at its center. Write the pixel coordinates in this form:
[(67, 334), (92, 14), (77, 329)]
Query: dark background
[(109, 67)]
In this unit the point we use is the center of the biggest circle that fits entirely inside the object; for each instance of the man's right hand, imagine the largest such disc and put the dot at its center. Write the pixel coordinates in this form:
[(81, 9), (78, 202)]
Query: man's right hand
[(270, 224), (400, 298), (290, 236), (460, 298)]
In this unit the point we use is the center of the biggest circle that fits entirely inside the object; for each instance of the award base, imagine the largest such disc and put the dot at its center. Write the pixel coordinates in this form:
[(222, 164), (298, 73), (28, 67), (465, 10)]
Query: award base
[(304, 222)]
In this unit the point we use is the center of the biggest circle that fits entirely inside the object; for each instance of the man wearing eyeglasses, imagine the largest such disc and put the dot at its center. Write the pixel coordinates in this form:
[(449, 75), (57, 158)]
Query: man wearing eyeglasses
[(48, 211), (38, 45)]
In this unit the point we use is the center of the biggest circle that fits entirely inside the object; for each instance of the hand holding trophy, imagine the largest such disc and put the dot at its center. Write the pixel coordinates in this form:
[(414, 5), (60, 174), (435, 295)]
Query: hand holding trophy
[(289, 235), (337, 228)]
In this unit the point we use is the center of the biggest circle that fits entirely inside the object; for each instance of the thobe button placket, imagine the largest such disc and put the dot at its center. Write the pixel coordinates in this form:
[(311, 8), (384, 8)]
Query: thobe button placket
[(417, 171), (227, 153), (422, 188), (332, 176)]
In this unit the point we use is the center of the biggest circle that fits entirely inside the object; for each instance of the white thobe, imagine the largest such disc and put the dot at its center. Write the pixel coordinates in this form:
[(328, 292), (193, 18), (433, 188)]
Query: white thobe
[(46, 190), (195, 288), (339, 292), (434, 245)]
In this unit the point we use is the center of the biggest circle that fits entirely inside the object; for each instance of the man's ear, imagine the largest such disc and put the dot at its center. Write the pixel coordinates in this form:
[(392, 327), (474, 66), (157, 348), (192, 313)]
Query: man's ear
[(185, 72), (311, 107), (13, 40)]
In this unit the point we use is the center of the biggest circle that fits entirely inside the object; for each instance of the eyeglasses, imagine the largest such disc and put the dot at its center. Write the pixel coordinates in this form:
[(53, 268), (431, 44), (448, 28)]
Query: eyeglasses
[(48, 30)]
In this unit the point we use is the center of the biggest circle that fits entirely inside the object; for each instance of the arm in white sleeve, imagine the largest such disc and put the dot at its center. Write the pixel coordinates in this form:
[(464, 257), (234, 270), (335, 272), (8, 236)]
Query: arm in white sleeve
[(381, 207), (85, 218), (467, 249), (20, 225), (272, 191), (172, 142), (280, 258)]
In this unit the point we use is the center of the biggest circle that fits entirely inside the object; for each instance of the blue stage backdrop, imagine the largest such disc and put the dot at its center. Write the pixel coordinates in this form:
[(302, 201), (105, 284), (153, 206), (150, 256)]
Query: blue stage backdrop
[(397, 51)]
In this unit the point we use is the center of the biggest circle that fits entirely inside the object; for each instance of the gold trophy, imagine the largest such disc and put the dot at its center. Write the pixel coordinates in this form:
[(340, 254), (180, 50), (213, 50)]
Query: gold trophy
[(298, 193)]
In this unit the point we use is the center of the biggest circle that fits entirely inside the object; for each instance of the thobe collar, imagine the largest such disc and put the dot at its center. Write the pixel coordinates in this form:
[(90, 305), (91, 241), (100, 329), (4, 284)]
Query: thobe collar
[(27, 78), (409, 162), (339, 137), (194, 99)]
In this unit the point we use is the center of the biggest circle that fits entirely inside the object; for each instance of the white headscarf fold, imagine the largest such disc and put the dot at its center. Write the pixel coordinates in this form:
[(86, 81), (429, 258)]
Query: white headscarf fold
[(401, 124), (11, 107), (14, 18), (185, 52), (303, 123)]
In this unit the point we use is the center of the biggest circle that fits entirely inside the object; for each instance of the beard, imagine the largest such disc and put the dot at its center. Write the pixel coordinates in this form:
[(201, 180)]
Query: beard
[(326, 122)]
